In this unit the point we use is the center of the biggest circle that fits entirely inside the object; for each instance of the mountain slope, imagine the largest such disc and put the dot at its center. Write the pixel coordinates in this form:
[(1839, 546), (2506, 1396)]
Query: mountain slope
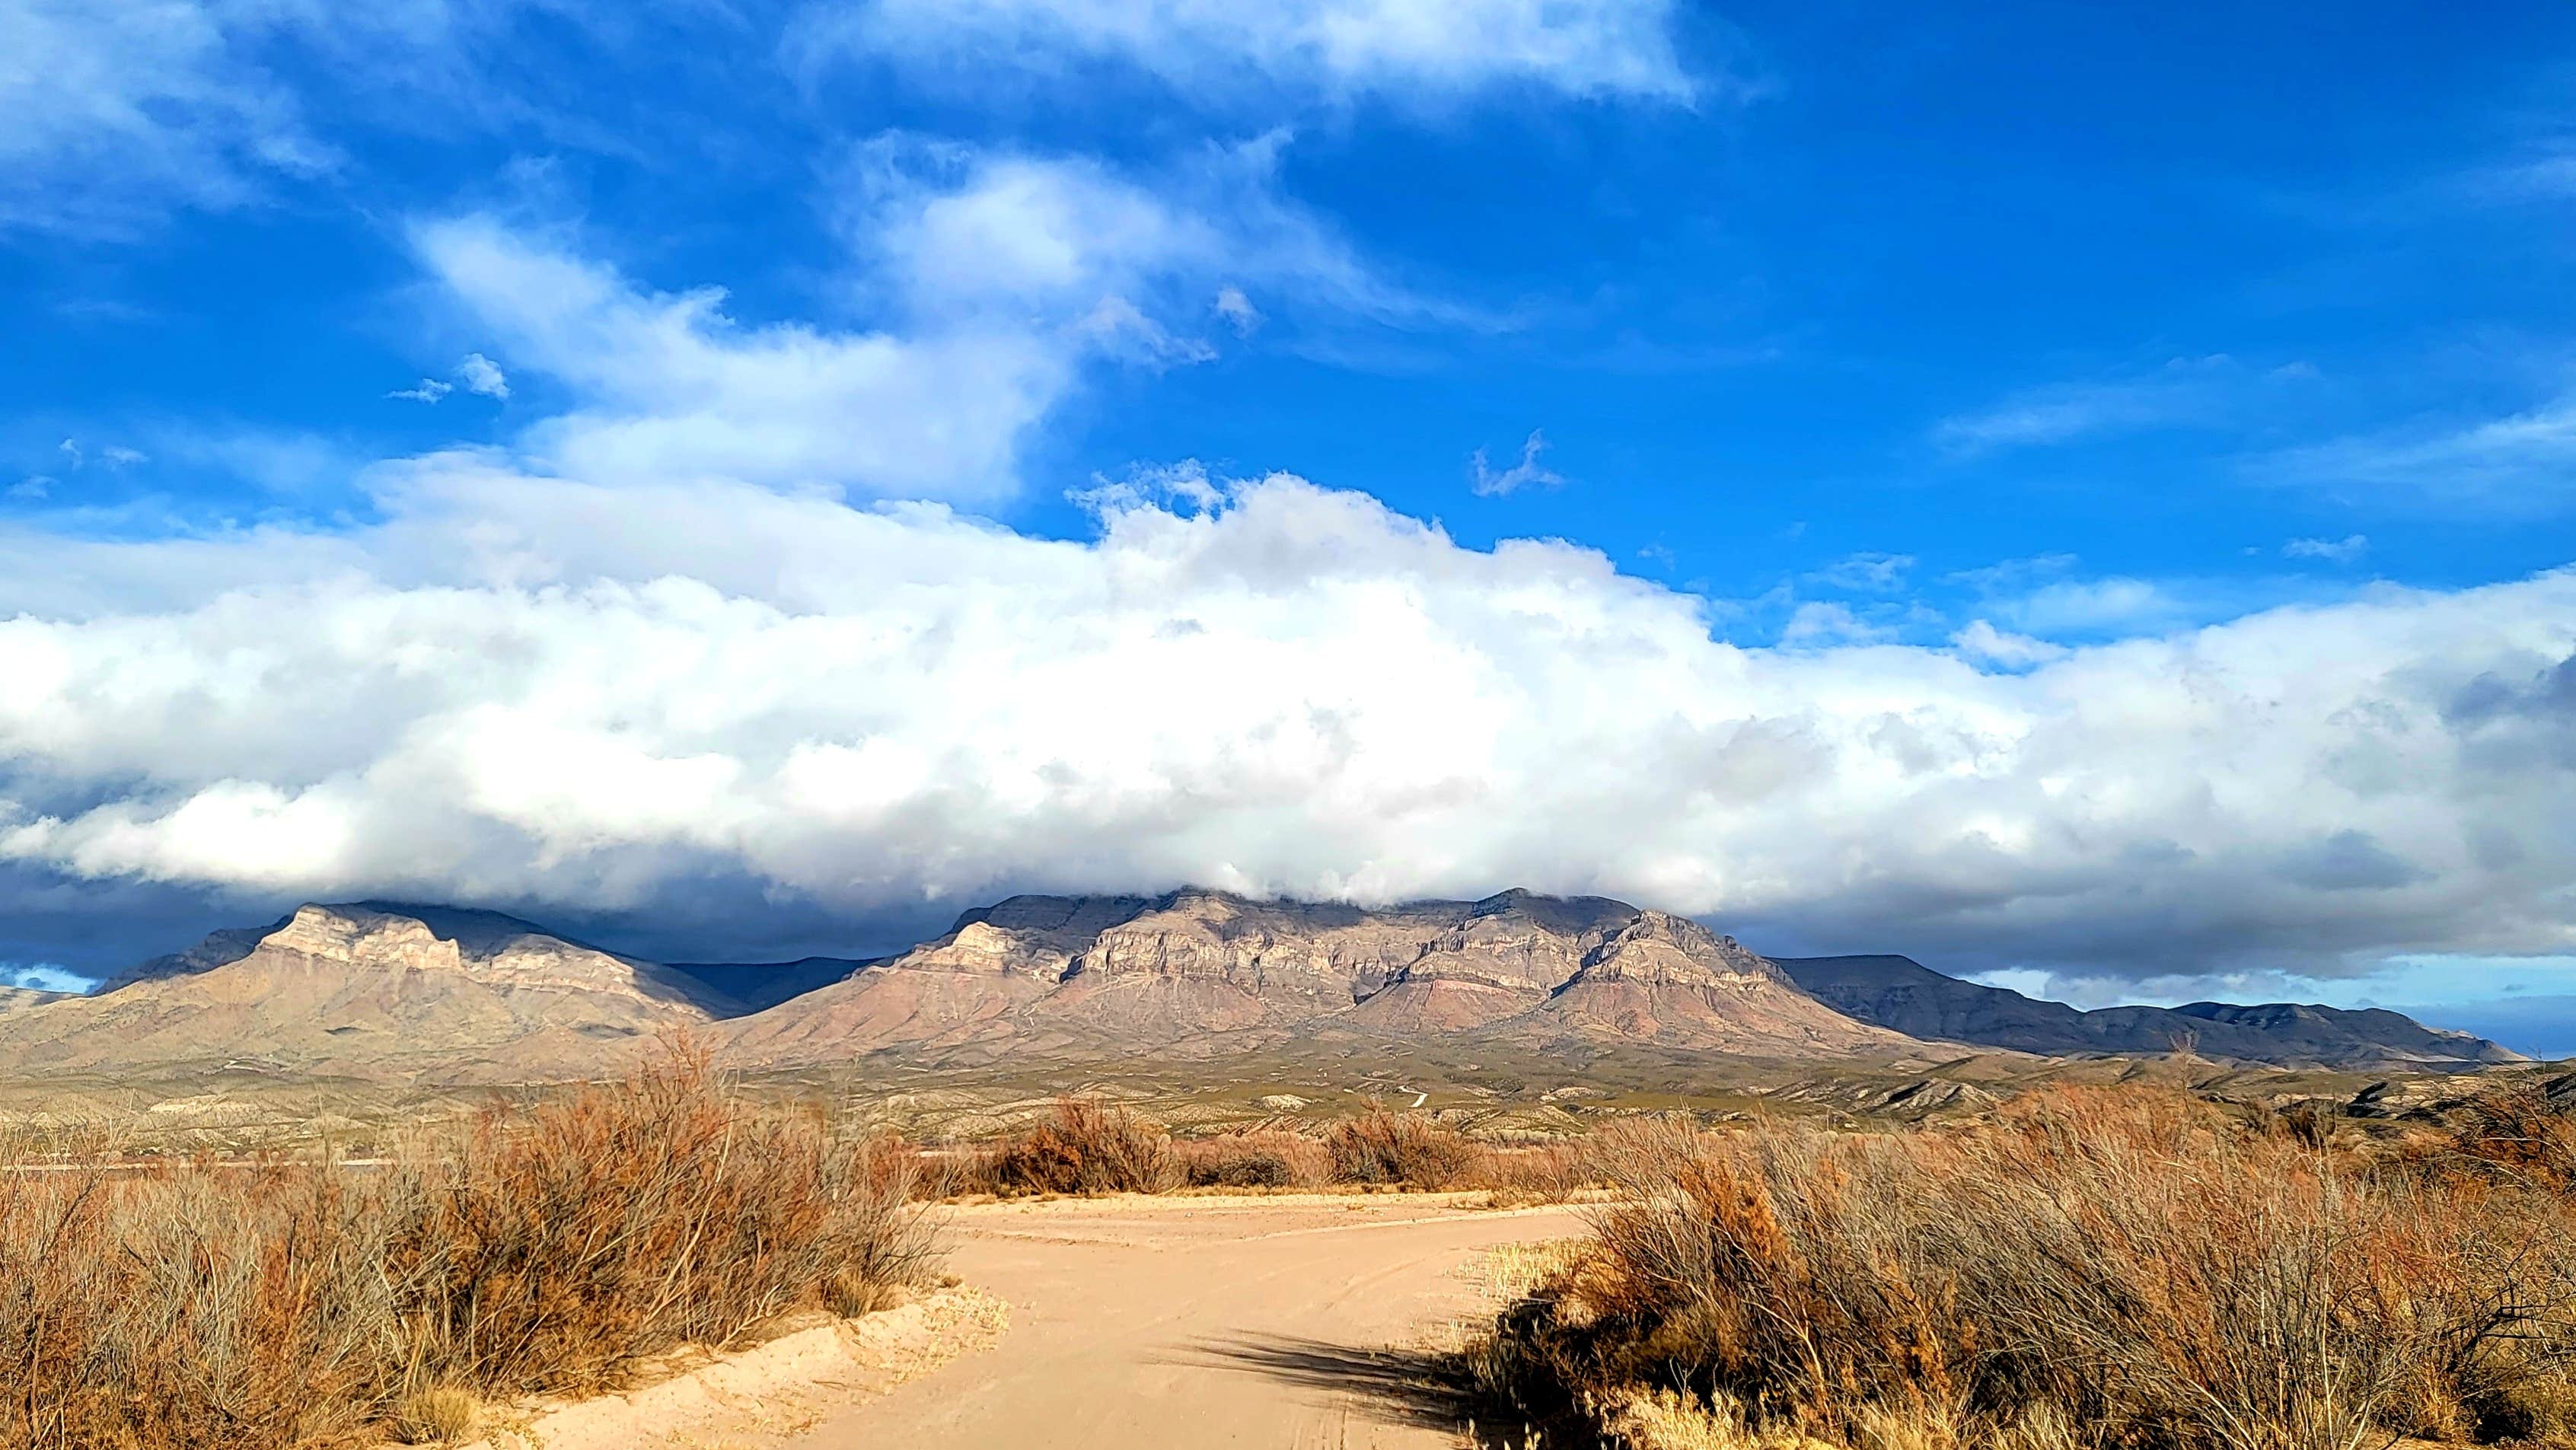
[(368, 989), (19, 999), (1205, 971), (1906, 996)]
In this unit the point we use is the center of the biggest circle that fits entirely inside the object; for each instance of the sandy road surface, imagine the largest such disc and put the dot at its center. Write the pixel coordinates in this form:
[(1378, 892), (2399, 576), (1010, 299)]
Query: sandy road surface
[(1173, 1324)]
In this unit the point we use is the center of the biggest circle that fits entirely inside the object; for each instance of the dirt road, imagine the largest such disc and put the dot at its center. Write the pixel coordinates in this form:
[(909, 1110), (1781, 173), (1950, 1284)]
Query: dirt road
[(1175, 1324)]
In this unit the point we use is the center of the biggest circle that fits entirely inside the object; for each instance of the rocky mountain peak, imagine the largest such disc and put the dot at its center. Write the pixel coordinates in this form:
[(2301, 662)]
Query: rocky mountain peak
[(1657, 947)]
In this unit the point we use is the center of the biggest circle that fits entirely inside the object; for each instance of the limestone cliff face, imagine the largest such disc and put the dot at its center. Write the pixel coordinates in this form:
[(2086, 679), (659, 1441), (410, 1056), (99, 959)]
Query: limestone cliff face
[(1200, 970)]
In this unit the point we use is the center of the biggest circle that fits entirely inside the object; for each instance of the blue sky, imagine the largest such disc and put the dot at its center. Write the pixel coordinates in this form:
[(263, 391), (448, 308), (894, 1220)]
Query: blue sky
[(2035, 383)]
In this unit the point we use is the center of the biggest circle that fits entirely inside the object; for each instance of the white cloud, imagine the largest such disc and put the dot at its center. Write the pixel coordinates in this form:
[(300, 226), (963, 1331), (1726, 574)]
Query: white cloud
[(672, 386), (2332, 551), (1214, 51), (564, 692), (482, 376), (991, 280), (1528, 473), (429, 390)]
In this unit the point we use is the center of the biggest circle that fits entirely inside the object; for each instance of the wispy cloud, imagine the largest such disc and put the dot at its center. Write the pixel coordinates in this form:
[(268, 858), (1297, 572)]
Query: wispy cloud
[(2332, 551), (2185, 392), (2517, 464), (991, 282), (1238, 311), (478, 374), (1866, 572), (1218, 53), (1528, 473)]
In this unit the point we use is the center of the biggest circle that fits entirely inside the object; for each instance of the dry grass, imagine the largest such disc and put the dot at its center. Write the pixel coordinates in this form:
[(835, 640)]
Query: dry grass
[(2098, 1267), (199, 1308)]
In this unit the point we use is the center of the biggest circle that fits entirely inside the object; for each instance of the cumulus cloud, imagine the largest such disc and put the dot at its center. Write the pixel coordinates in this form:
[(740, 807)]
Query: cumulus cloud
[(482, 376), (1212, 50), (428, 390), (1489, 482), (550, 690)]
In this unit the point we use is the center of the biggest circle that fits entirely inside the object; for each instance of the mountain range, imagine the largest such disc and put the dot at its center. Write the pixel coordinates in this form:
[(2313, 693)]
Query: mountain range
[(1905, 996), (378, 989)]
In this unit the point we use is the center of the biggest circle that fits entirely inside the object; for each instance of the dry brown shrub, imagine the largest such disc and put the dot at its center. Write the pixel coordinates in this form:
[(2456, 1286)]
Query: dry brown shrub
[(201, 1307), (1080, 1147), (2515, 1130), (2122, 1260), (1253, 1160), (1541, 1173), (1405, 1149)]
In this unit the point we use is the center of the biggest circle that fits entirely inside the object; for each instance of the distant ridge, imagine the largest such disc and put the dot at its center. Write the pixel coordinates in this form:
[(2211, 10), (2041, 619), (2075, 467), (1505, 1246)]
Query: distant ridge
[(16, 998), (1903, 995)]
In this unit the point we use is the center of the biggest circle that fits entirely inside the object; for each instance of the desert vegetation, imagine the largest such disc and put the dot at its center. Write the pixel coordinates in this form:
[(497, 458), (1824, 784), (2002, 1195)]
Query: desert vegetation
[(550, 1249), (2090, 1268), (1084, 1147)]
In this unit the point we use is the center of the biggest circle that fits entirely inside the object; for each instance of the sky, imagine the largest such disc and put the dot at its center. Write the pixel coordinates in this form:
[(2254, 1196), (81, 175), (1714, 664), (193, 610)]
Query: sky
[(2081, 495)]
